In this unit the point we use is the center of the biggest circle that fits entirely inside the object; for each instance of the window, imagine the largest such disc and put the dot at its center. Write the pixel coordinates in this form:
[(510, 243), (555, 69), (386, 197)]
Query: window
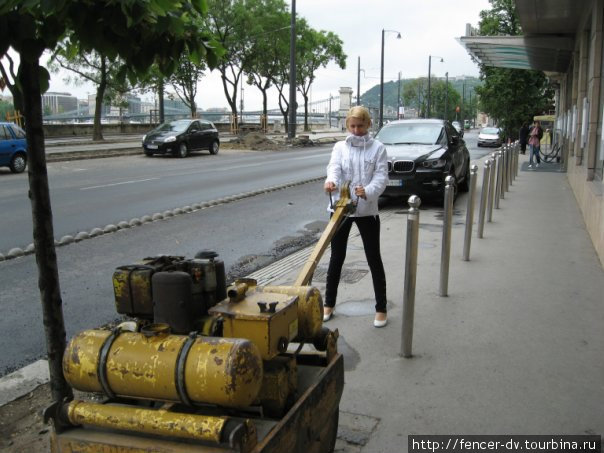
[(5, 133)]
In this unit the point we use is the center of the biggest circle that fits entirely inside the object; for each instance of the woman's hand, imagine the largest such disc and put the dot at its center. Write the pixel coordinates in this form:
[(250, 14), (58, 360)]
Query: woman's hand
[(329, 186), (359, 191)]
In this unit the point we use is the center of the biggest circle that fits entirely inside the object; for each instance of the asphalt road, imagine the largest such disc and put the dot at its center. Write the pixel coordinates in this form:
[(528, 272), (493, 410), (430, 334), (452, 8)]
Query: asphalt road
[(86, 194)]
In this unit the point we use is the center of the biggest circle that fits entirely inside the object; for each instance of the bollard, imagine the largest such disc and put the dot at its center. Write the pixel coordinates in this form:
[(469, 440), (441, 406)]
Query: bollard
[(491, 194), (517, 157), (500, 174), (484, 194), (410, 275), (510, 166), (506, 166), (446, 247), (470, 214), (497, 171)]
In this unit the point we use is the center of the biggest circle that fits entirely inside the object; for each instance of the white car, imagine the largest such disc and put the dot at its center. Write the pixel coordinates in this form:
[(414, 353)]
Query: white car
[(490, 136)]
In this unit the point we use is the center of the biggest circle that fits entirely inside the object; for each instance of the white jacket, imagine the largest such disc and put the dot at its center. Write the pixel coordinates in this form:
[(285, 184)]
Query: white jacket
[(360, 160)]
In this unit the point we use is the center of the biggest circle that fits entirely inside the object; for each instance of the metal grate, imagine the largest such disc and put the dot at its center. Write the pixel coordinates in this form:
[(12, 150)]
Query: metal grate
[(403, 166)]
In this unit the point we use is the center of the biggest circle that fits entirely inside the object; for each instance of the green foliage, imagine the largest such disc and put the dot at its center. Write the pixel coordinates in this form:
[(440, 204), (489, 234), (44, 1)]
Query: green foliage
[(510, 96), (5, 107)]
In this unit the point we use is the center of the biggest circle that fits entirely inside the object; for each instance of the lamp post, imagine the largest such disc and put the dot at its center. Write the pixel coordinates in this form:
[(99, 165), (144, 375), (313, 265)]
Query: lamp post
[(291, 130), (359, 80), (429, 70), (446, 95), (398, 36), (399, 103)]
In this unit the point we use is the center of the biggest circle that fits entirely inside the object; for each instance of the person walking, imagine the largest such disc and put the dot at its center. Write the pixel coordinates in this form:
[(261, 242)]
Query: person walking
[(534, 142), (523, 137), (362, 160)]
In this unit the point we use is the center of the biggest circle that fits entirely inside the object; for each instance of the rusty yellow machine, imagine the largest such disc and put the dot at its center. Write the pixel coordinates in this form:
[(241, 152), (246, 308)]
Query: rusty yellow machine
[(203, 367)]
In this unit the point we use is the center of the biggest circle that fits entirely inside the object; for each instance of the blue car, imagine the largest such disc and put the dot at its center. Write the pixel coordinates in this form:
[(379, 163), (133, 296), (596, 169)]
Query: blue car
[(13, 147)]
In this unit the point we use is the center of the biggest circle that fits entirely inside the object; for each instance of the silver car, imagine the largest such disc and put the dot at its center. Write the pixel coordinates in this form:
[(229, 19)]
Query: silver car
[(490, 136)]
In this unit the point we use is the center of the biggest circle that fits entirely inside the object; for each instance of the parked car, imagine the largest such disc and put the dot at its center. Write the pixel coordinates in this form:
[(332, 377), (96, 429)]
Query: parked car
[(181, 137), (490, 136), (13, 147), (421, 153)]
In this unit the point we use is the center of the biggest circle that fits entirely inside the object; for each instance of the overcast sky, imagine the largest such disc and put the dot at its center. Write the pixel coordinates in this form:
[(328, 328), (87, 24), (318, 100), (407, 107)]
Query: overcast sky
[(428, 27)]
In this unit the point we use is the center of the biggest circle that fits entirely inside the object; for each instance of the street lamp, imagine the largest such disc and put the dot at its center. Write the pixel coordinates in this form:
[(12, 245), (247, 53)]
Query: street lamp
[(398, 36), (291, 130), (359, 80), (446, 96), (429, 70)]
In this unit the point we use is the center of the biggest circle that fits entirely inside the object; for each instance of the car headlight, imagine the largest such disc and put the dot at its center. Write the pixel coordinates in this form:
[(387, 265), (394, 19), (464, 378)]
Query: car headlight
[(144, 137), (170, 139), (434, 163)]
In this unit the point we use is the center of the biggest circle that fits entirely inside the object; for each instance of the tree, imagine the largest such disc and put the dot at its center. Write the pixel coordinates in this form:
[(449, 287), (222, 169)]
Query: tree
[(230, 22), (10, 77), (94, 67), (510, 96), (184, 81), (415, 94), (315, 50), (141, 34), (269, 47)]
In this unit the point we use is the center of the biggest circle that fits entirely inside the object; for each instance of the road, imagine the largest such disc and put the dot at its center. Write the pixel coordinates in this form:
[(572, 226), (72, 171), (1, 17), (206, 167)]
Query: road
[(247, 234), (86, 194)]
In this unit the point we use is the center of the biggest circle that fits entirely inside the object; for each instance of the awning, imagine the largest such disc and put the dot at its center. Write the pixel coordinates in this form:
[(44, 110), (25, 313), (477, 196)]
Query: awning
[(543, 52), (549, 28)]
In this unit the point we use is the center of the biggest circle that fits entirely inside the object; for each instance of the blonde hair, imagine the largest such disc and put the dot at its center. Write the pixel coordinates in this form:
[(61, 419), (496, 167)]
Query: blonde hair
[(359, 112)]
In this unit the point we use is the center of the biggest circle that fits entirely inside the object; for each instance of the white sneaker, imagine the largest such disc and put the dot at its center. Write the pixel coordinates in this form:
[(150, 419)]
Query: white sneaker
[(536, 165), (530, 166)]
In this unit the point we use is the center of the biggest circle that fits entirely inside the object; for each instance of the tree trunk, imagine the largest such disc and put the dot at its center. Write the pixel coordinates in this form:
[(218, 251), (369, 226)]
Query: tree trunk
[(306, 128), (231, 99), (46, 258), (160, 95), (97, 132)]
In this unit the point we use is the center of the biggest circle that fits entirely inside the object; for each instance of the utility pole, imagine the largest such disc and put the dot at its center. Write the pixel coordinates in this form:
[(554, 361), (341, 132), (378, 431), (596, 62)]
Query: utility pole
[(446, 95), (291, 130), (398, 104), (359, 81)]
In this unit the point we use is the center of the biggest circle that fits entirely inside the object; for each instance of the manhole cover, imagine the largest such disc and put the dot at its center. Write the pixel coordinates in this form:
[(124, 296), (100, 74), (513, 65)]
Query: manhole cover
[(348, 275)]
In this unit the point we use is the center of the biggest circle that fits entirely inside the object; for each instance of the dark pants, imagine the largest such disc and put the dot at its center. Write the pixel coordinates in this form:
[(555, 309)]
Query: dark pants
[(369, 227), (523, 147)]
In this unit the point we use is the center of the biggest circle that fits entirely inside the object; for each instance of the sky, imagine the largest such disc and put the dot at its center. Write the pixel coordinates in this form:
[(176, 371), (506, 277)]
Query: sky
[(427, 27)]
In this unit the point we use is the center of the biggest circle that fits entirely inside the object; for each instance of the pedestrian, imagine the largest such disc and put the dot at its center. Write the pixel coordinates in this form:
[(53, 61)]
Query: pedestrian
[(534, 142), (362, 160), (523, 137)]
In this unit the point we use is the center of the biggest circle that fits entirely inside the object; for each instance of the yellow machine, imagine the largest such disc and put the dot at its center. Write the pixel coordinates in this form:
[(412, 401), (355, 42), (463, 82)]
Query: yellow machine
[(204, 368)]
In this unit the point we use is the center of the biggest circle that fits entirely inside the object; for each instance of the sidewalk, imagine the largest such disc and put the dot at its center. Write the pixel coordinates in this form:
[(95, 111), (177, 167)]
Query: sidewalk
[(516, 347)]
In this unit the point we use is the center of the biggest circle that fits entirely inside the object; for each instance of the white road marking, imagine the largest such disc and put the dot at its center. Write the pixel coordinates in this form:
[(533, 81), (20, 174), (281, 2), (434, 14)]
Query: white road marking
[(118, 184)]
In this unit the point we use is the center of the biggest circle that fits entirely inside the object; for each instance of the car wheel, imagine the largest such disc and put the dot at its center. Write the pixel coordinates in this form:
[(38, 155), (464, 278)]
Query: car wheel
[(148, 153), (18, 163), (214, 147), (464, 186), (183, 151)]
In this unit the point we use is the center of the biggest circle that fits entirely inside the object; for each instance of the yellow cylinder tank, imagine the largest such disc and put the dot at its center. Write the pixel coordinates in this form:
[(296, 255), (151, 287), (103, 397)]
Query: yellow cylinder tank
[(160, 366), (310, 308)]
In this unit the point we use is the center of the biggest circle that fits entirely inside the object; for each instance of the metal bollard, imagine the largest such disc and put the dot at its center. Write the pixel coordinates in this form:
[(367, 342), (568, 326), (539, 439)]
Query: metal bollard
[(506, 166), (510, 166), (517, 158), (500, 175), (491, 194), (446, 247), (484, 194), (497, 171), (410, 275), (470, 214)]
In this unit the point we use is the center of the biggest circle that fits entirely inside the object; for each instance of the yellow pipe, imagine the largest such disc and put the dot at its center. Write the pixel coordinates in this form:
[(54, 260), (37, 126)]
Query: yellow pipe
[(222, 371), (159, 422)]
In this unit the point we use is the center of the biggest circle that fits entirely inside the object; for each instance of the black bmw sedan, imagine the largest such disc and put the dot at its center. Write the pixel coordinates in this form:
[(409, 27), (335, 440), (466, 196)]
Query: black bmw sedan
[(180, 137), (421, 153)]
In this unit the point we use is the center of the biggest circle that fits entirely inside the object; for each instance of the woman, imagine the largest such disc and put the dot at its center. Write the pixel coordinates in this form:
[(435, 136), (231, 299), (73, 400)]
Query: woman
[(363, 161), (535, 143)]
